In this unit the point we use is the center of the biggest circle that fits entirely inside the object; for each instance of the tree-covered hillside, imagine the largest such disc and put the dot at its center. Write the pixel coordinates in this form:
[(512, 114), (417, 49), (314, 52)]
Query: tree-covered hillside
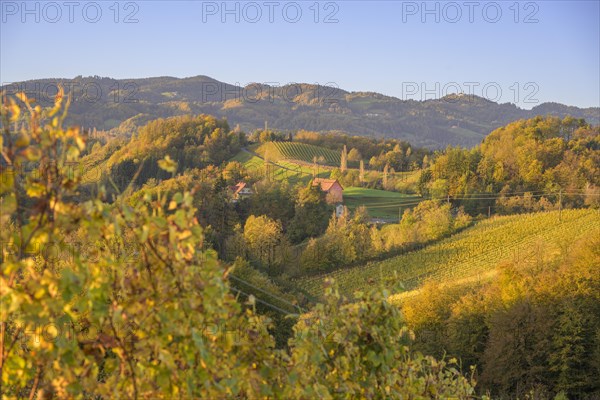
[(107, 103), (528, 165), (194, 141)]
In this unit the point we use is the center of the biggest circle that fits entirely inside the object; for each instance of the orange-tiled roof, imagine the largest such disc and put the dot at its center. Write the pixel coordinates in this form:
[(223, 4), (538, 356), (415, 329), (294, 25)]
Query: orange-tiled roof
[(326, 184), (237, 188)]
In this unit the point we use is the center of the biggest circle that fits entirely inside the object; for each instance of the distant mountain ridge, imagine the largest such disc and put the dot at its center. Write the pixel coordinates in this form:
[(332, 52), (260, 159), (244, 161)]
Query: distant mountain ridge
[(125, 104)]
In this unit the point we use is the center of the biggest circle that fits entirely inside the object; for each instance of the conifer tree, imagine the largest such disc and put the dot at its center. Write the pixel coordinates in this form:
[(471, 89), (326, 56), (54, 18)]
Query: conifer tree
[(361, 172), (344, 160), (385, 175)]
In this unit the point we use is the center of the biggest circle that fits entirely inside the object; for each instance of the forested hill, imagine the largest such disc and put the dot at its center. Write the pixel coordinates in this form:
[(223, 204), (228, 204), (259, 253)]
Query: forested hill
[(124, 105)]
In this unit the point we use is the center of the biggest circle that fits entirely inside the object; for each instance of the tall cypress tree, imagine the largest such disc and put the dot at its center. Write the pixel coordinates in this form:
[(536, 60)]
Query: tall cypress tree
[(344, 160)]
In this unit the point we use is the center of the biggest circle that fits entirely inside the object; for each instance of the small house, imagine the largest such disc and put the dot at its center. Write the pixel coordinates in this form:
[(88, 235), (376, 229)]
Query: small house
[(333, 189), (241, 191)]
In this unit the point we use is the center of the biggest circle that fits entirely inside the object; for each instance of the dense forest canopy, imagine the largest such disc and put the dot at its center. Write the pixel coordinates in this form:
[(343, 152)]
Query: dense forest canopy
[(192, 141), (528, 165)]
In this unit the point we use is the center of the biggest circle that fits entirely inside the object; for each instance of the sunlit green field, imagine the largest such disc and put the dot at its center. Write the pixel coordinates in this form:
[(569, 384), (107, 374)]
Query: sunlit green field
[(379, 203), (471, 254)]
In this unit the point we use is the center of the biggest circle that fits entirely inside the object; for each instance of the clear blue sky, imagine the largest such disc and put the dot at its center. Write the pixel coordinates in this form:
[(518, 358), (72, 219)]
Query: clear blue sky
[(380, 46)]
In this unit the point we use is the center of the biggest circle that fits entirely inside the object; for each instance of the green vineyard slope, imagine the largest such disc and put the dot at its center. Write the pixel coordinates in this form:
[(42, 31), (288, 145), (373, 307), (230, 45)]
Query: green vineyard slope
[(473, 253)]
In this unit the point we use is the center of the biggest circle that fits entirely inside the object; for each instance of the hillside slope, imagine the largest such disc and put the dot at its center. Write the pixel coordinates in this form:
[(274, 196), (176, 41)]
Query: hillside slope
[(303, 152), (107, 103), (470, 254)]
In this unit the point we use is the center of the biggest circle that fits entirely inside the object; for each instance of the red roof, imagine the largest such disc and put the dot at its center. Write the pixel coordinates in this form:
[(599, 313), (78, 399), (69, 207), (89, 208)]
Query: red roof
[(237, 188), (326, 184)]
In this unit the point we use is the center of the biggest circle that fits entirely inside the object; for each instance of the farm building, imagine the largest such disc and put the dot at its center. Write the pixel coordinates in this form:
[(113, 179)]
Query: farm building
[(333, 189), (241, 191)]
